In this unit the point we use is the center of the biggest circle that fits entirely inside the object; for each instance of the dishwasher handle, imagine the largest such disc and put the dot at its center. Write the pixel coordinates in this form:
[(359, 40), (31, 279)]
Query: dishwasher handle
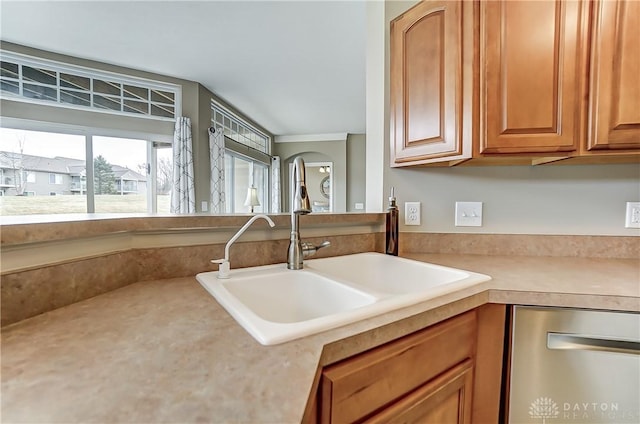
[(568, 341)]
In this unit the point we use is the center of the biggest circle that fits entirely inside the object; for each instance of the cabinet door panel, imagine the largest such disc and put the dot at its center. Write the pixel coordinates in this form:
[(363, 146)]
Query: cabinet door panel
[(357, 387), (615, 76), (429, 44), (533, 69), (445, 400)]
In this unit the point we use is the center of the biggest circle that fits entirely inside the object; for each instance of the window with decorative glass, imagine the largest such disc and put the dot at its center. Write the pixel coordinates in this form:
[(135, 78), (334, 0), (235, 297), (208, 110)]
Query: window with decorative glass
[(247, 162), (36, 80)]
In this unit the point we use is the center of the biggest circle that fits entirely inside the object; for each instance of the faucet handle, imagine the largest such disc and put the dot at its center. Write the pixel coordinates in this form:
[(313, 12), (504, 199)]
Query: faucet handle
[(223, 268), (309, 249)]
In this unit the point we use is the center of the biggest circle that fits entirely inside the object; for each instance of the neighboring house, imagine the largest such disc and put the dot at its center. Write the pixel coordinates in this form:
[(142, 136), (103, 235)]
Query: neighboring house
[(41, 176)]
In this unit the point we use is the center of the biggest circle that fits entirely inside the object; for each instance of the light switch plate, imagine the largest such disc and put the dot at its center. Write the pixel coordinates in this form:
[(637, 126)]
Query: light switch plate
[(468, 214), (632, 219)]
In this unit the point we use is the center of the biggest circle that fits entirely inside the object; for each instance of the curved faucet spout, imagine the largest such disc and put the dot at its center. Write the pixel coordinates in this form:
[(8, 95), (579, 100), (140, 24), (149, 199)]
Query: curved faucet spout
[(301, 204), (223, 269)]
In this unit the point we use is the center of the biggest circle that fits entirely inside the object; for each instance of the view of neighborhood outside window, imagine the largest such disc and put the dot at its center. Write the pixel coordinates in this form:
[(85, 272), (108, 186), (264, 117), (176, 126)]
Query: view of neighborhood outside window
[(119, 175), (38, 172), (164, 173), (45, 173)]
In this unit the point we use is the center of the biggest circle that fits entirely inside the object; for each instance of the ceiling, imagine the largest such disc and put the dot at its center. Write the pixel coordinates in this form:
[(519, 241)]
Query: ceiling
[(294, 67)]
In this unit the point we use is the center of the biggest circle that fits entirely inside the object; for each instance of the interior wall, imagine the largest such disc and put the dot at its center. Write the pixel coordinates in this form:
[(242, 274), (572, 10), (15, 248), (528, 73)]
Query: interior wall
[(356, 171), (316, 151), (550, 199)]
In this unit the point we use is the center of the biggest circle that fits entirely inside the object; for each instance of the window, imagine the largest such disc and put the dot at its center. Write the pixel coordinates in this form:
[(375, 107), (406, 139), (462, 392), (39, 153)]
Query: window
[(120, 173), (240, 174), (162, 174), (238, 130), (55, 179), (247, 160), (37, 80)]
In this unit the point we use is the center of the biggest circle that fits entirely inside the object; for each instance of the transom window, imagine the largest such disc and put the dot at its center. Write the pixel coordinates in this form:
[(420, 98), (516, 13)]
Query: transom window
[(40, 81), (238, 130)]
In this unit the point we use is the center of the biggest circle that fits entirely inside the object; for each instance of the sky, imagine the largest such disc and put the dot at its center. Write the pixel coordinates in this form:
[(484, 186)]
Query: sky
[(117, 151)]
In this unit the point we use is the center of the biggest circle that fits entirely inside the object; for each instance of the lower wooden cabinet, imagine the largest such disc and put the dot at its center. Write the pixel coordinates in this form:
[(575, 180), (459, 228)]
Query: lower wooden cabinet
[(447, 373), (445, 399)]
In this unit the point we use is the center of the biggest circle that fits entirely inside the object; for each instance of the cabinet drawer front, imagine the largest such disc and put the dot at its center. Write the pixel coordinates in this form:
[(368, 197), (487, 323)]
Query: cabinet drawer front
[(359, 386)]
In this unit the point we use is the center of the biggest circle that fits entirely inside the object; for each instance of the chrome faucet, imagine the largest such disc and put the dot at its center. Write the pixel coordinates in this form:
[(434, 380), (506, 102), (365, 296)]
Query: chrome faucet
[(224, 265), (300, 205)]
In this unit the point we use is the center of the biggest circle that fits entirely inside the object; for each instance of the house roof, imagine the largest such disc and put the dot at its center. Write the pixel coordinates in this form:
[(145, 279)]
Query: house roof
[(59, 165)]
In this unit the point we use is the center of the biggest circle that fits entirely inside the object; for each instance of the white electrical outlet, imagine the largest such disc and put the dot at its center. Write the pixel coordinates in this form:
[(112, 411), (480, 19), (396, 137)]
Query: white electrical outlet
[(204, 205), (412, 213), (359, 206), (468, 214), (633, 215)]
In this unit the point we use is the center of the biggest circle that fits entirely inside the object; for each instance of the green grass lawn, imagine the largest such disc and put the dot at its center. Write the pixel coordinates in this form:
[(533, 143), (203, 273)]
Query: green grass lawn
[(31, 205)]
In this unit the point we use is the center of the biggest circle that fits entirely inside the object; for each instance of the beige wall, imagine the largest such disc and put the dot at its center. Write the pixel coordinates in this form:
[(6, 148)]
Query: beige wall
[(317, 151), (356, 176), (556, 199)]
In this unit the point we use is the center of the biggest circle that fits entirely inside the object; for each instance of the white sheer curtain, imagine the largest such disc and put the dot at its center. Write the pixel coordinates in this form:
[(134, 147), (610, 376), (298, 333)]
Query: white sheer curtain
[(216, 156), (275, 185), (183, 197)]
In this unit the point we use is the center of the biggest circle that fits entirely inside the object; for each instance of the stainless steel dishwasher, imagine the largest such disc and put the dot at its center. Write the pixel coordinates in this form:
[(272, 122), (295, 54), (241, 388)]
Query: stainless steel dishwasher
[(574, 366)]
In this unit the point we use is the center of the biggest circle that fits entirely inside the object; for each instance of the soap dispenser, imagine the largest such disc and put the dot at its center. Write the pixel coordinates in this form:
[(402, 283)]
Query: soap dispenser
[(392, 226)]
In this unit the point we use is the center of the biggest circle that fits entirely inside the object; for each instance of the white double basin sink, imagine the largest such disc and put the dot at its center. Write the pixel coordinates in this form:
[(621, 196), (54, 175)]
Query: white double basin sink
[(276, 305)]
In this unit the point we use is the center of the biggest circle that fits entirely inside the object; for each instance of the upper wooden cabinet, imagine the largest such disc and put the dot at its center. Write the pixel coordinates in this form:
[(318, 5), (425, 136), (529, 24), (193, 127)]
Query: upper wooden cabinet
[(518, 81), (532, 71), (431, 82), (614, 108)]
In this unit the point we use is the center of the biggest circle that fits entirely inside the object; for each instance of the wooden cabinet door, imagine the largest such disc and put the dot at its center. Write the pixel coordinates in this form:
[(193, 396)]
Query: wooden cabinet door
[(444, 400), (431, 82), (357, 387), (533, 70), (614, 112)]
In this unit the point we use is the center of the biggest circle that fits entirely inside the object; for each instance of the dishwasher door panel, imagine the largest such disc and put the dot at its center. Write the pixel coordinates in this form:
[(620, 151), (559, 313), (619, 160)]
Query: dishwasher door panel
[(574, 366)]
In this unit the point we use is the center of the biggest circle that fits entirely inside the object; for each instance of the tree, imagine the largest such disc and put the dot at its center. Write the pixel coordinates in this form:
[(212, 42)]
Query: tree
[(17, 163), (164, 173), (104, 180)]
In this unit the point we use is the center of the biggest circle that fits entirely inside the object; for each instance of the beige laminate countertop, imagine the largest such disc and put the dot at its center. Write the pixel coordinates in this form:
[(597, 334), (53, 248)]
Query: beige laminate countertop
[(165, 351)]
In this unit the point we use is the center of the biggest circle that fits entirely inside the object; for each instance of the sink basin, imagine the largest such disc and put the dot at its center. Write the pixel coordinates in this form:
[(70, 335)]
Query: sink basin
[(282, 296), (275, 304), (390, 274)]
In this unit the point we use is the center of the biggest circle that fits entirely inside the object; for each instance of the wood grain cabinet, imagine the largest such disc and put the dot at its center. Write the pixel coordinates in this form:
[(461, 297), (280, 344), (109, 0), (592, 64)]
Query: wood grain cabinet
[(447, 373), (532, 73), (515, 82), (431, 83), (614, 100)]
